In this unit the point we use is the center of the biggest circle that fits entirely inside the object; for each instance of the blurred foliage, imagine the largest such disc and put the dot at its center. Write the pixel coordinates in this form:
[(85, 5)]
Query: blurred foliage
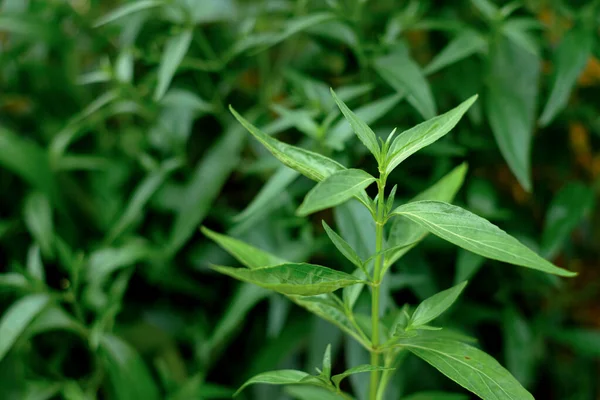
[(116, 145)]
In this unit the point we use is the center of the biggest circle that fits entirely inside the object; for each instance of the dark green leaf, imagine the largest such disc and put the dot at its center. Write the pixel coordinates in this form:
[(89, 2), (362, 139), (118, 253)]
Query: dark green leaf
[(466, 43), (337, 379), (343, 246), (173, 53)]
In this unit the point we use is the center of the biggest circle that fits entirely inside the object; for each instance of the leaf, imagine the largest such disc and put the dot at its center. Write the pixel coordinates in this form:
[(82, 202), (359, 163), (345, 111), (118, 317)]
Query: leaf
[(105, 261), (466, 43), (511, 103), (127, 9), (434, 306), (519, 346), (17, 317), (248, 255), (303, 120), (326, 372), (436, 396), (181, 98), (293, 278), (414, 139), (568, 208), (55, 318), (473, 233), (585, 342), (337, 379), (336, 189), (467, 265), (361, 129), (343, 246), (312, 393), (281, 377), (570, 59), (468, 366), (35, 267), (405, 76), (173, 53)]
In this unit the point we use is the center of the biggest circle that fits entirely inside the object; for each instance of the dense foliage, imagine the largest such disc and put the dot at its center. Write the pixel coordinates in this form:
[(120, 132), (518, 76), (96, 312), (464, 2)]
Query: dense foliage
[(117, 145)]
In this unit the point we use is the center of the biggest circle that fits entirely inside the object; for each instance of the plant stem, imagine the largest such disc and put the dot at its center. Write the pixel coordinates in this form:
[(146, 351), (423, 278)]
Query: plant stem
[(379, 223)]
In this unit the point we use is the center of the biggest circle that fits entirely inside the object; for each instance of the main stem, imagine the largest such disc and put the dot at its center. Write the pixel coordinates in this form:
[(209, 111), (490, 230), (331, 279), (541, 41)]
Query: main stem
[(379, 222)]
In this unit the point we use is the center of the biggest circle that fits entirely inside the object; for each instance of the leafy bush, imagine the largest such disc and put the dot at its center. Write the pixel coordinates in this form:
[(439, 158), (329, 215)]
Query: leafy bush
[(117, 144)]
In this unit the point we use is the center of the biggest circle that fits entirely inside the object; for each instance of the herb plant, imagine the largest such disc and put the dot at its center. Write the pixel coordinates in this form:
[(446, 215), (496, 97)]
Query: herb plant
[(397, 229)]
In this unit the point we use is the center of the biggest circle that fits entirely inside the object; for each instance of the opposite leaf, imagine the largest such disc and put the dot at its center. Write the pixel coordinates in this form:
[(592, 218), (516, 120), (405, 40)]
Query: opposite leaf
[(343, 247), (281, 377), (293, 278), (475, 234), (435, 305), (334, 190), (337, 379)]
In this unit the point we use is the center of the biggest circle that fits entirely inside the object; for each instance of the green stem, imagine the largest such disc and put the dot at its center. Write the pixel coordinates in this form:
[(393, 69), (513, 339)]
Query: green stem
[(379, 223)]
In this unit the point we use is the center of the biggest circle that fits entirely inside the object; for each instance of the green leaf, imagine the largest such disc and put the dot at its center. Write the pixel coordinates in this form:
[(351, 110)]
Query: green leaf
[(55, 318), (128, 9), (568, 208), (570, 59), (35, 267), (173, 53), (248, 255), (436, 396), (107, 260), (362, 130), (519, 346), (468, 366), (510, 106), (293, 278), (467, 265), (312, 393), (466, 43), (326, 372), (424, 134), (336, 189), (487, 8), (343, 246), (405, 76), (281, 377), (303, 120), (473, 233), (337, 379), (434, 306), (17, 317), (585, 342)]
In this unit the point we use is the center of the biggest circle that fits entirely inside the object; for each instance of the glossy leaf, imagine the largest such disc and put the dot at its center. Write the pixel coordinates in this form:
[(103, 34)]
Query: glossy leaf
[(293, 278), (281, 377), (473, 233), (173, 54), (434, 306), (343, 246), (17, 317), (361, 129), (424, 134), (468, 366), (336, 189), (127, 9), (462, 46), (337, 379)]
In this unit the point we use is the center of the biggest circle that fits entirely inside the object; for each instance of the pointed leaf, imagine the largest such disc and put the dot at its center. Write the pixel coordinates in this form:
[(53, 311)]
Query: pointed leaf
[(174, 51), (424, 134), (293, 278), (466, 43), (434, 306), (127, 9), (334, 190), (362, 130), (327, 362), (468, 366), (337, 379), (38, 218), (436, 396), (467, 265), (343, 246), (281, 377), (475, 234)]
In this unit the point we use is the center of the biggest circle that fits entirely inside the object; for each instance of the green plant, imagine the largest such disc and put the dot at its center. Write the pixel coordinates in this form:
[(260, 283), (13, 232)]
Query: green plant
[(397, 230)]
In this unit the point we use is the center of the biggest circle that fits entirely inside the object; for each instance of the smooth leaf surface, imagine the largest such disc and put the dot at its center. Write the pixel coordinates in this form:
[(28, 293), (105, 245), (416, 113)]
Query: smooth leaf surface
[(337, 379), (473, 233), (38, 218), (293, 278), (334, 190), (173, 53), (343, 246), (434, 306), (436, 396), (281, 377), (462, 46), (127, 9)]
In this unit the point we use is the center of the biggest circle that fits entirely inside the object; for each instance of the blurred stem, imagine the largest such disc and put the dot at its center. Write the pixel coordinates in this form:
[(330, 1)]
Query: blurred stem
[(379, 223)]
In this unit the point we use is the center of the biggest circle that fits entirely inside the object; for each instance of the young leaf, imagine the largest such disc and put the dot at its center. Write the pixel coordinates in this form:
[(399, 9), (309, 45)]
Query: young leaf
[(475, 234), (337, 379), (300, 119), (362, 130), (250, 256), (281, 377), (468, 366), (35, 267), (17, 317), (343, 246), (173, 53), (334, 190), (466, 43), (434, 306), (127, 9), (424, 134), (293, 278), (38, 218), (570, 58), (326, 372)]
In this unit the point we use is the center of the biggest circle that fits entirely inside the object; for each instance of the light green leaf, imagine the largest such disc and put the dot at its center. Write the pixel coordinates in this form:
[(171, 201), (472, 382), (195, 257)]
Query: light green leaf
[(334, 190), (360, 128), (510, 105), (248, 255), (475, 234), (570, 58), (181, 98), (173, 53), (107, 260), (17, 317), (35, 267), (487, 8), (434, 306), (436, 396), (127, 9), (414, 139), (303, 120), (312, 393), (468, 366), (405, 76), (466, 43), (293, 278), (55, 318), (38, 218), (337, 379), (326, 372), (281, 377), (343, 246)]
